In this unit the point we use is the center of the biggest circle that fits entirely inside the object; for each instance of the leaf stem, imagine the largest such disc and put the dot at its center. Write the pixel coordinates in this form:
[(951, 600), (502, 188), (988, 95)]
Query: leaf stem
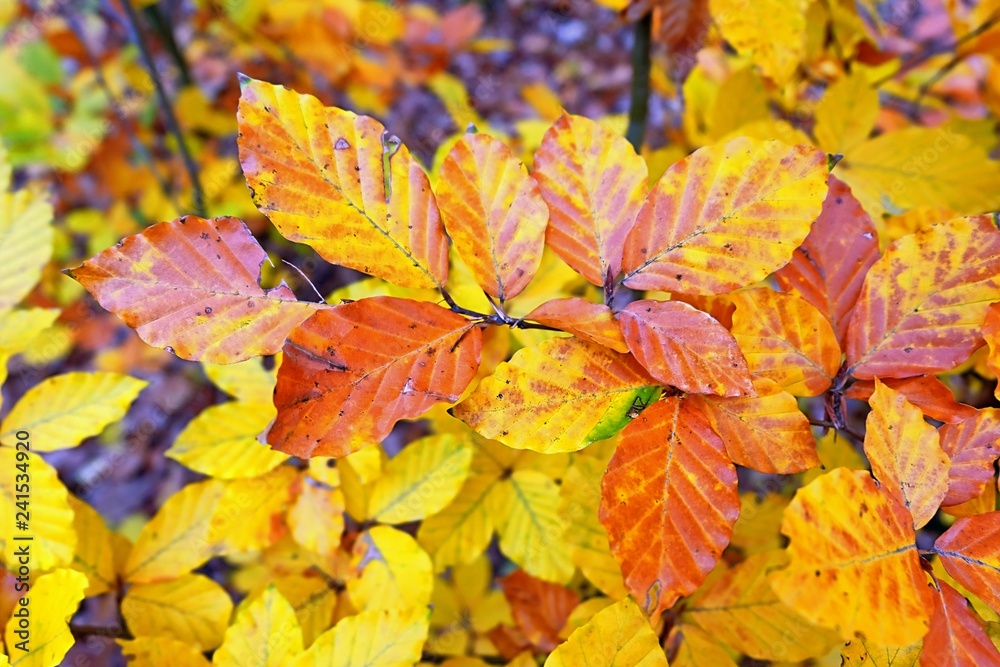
[(639, 103)]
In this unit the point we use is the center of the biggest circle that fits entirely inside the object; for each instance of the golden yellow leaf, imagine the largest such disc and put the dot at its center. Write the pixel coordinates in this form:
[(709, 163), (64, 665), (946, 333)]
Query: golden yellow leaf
[(393, 572), (462, 530), (772, 32), (741, 610), (316, 517), (696, 648), (846, 114), (245, 518), (157, 651), (617, 635), (312, 598), (176, 540), (222, 441), (49, 514), (557, 397), (421, 480), (19, 328), (905, 454), (61, 411), (191, 608), (264, 634), (853, 561), (374, 638), (747, 205), (246, 381), (352, 191), (758, 530), (94, 555), (52, 600), (862, 653), (25, 243)]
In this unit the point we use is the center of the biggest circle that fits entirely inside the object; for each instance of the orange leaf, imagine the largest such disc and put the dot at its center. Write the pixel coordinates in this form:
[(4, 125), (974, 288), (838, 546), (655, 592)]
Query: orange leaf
[(681, 346), (191, 286), (339, 183), (584, 319), (905, 454), (828, 269), (539, 608), (351, 372), (970, 552), (668, 502), (956, 637), (923, 303), (972, 447), (785, 338), (932, 396), (767, 432), (594, 184), (991, 334), (494, 214), (725, 217), (854, 565)]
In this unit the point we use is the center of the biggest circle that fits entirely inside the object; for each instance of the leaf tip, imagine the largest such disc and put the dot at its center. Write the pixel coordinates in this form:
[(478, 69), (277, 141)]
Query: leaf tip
[(244, 80), (832, 159)]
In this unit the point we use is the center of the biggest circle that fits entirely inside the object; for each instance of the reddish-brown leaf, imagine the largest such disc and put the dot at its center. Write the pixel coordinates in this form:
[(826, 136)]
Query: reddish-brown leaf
[(932, 396), (584, 319), (594, 184), (192, 286), (923, 303), (972, 446), (970, 552), (351, 372), (956, 637), (767, 432), (828, 269), (681, 346), (539, 608), (668, 502), (493, 212)]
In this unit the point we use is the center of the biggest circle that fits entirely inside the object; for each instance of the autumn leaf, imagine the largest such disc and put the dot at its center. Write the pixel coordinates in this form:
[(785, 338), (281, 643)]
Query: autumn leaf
[(853, 564), (669, 474), (786, 339), (393, 571), (773, 33), (191, 608), (95, 555), (371, 380), (494, 214), (559, 396), (387, 638), (617, 635), (154, 651), (26, 237), (905, 454), (191, 286), (538, 607), (341, 184), (971, 445), (51, 601), (956, 636), (593, 183), (725, 217), (584, 319), (265, 633), (316, 517), (829, 268), (969, 552), (910, 321), (681, 346), (934, 398), (846, 114)]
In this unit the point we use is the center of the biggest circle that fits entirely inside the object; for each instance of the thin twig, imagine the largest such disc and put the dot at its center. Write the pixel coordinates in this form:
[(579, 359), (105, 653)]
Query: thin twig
[(165, 31), (639, 103), (304, 276), (168, 112)]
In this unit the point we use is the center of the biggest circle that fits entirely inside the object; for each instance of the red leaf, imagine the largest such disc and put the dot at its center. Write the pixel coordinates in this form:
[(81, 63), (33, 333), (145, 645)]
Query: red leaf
[(539, 608), (970, 552), (972, 447), (956, 637)]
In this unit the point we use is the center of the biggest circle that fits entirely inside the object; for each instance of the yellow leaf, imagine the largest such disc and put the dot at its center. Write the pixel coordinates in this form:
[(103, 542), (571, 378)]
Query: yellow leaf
[(192, 608), (50, 517), (741, 610), (905, 454), (25, 243), (374, 638), (222, 441), (18, 329), (557, 397), (758, 530), (312, 598), (773, 32), (393, 571), (245, 518), (52, 600), (617, 635), (316, 518), (264, 634), (846, 114), (526, 510), (863, 653), (358, 473), (176, 540), (246, 381), (61, 411), (421, 480), (380, 218), (94, 555), (462, 530), (465, 608), (853, 561), (922, 166), (697, 648), (157, 651), (747, 205)]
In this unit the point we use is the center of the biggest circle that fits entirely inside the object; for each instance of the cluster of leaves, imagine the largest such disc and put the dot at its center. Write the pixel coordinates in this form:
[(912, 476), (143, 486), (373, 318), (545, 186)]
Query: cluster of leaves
[(599, 352)]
